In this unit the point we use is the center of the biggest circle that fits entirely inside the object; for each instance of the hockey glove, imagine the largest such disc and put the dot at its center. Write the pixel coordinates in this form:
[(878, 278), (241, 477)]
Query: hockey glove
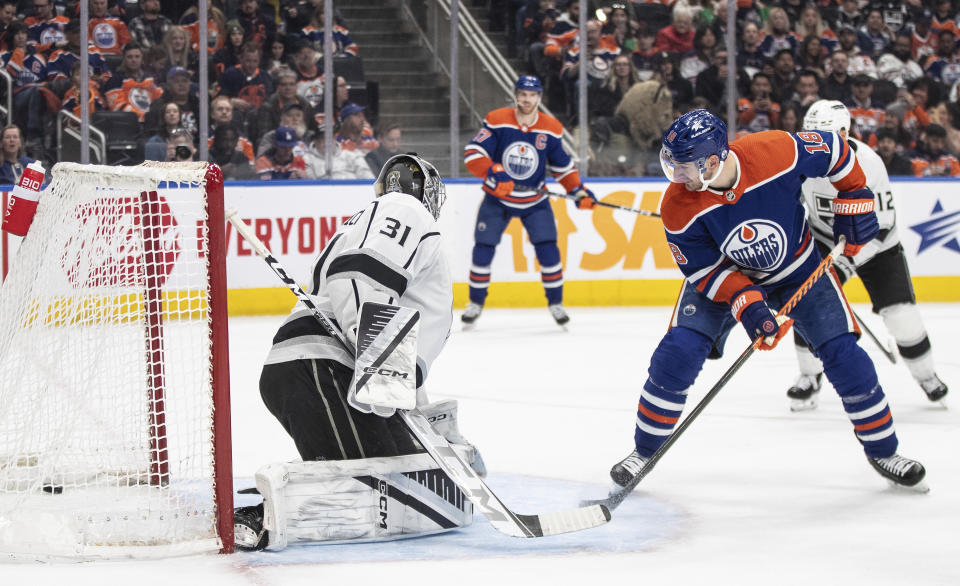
[(498, 183), (749, 306), (853, 217), (584, 198)]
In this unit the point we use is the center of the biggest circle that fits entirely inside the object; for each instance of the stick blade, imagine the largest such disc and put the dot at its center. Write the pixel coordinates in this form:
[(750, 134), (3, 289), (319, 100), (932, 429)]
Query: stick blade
[(546, 524)]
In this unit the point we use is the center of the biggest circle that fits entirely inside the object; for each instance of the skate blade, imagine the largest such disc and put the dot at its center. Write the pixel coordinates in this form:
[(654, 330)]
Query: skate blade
[(919, 488), (797, 405)]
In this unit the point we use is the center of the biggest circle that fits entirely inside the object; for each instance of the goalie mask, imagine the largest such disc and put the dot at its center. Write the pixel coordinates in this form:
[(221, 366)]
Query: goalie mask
[(408, 173)]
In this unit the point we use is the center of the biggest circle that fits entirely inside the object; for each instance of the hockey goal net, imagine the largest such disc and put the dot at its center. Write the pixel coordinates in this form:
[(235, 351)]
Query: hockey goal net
[(114, 394)]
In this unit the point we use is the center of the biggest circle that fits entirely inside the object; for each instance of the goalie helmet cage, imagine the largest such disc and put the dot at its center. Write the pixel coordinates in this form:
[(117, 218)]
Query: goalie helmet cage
[(114, 377)]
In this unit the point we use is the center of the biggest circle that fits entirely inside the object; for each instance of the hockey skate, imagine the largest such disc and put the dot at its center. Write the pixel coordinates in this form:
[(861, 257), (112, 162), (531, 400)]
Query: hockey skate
[(561, 317), (624, 470), (471, 313), (934, 388), (804, 394), (901, 472), (248, 531)]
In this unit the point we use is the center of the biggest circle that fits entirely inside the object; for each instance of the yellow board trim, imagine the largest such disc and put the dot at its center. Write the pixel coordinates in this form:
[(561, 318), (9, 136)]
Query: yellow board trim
[(276, 300)]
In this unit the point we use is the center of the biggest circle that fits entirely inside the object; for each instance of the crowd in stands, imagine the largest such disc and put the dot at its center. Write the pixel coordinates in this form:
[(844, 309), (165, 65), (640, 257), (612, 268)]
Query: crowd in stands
[(265, 77), (895, 64)]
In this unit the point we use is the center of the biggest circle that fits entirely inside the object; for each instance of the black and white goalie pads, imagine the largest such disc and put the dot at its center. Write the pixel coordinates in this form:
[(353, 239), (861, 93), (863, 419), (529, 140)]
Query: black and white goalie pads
[(385, 375), (372, 499)]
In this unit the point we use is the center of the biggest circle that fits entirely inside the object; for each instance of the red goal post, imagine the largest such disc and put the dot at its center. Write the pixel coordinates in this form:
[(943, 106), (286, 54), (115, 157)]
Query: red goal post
[(114, 371)]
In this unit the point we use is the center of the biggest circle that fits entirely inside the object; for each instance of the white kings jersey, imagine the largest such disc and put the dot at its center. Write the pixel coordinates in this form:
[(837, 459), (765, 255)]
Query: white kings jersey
[(818, 193), (390, 252)]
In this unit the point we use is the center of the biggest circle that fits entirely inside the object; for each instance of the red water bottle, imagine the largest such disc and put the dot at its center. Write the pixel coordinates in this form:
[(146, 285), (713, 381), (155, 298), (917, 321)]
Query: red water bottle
[(23, 201)]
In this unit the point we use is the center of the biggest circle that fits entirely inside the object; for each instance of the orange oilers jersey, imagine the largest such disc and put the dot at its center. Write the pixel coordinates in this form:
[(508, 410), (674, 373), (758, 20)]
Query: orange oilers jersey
[(130, 95), (527, 154), (109, 34), (756, 232)]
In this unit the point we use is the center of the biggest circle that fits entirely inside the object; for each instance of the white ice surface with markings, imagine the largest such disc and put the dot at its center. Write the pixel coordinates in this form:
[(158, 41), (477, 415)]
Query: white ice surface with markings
[(752, 494)]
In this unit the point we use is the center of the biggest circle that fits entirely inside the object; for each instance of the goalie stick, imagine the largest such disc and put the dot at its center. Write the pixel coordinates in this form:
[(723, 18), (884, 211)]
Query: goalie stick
[(616, 497), (484, 499), (605, 204)]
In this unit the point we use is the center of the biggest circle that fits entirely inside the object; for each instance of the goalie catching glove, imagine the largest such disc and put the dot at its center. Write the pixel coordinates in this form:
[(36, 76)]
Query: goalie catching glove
[(854, 218), (749, 306), (385, 372)]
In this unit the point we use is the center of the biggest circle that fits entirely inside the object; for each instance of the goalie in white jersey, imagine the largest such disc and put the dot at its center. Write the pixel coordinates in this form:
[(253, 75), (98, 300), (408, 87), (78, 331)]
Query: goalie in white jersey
[(364, 476), (881, 265)]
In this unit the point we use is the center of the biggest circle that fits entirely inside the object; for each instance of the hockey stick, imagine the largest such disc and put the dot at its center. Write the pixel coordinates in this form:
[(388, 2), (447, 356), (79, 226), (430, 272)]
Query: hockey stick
[(501, 517), (615, 498), (605, 204), (891, 356)]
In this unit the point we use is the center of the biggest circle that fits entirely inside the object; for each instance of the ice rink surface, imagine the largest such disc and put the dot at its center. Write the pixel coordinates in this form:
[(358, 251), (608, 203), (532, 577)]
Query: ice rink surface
[(751, 494)]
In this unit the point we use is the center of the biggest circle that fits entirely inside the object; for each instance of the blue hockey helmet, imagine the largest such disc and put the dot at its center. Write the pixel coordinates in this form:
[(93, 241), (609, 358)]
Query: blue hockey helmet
[(528, 82), (689, 142)]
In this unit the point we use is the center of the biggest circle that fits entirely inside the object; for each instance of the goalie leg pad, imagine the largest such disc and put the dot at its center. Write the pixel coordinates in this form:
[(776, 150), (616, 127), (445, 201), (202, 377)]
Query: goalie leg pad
[(374, 499)]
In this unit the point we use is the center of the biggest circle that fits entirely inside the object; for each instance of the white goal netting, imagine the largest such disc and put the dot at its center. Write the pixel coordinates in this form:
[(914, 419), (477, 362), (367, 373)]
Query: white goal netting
[(106, 391)]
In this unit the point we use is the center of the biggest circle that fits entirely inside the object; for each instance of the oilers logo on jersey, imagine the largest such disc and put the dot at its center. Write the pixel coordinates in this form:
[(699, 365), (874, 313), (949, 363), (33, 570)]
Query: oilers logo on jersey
[(756, 244), (520, 160), (104, 36)]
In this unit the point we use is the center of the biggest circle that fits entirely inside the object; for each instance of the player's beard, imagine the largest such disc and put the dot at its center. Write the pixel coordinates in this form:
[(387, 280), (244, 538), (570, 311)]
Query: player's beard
[(527, 109)]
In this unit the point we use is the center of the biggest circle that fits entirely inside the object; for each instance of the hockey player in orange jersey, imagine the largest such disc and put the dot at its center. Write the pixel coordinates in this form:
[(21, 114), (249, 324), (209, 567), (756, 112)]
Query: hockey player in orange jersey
[(512, 153)]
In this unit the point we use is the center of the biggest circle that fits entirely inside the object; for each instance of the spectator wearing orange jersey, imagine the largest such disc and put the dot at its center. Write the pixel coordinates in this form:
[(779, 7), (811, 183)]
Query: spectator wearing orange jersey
[(563, 33), (923, 39), (930, 158), (71, 100), (216, 29), (107, 33), (943, 18), (280, 162), (355, 132), (866, 117), (600, 49), (131, 88)]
